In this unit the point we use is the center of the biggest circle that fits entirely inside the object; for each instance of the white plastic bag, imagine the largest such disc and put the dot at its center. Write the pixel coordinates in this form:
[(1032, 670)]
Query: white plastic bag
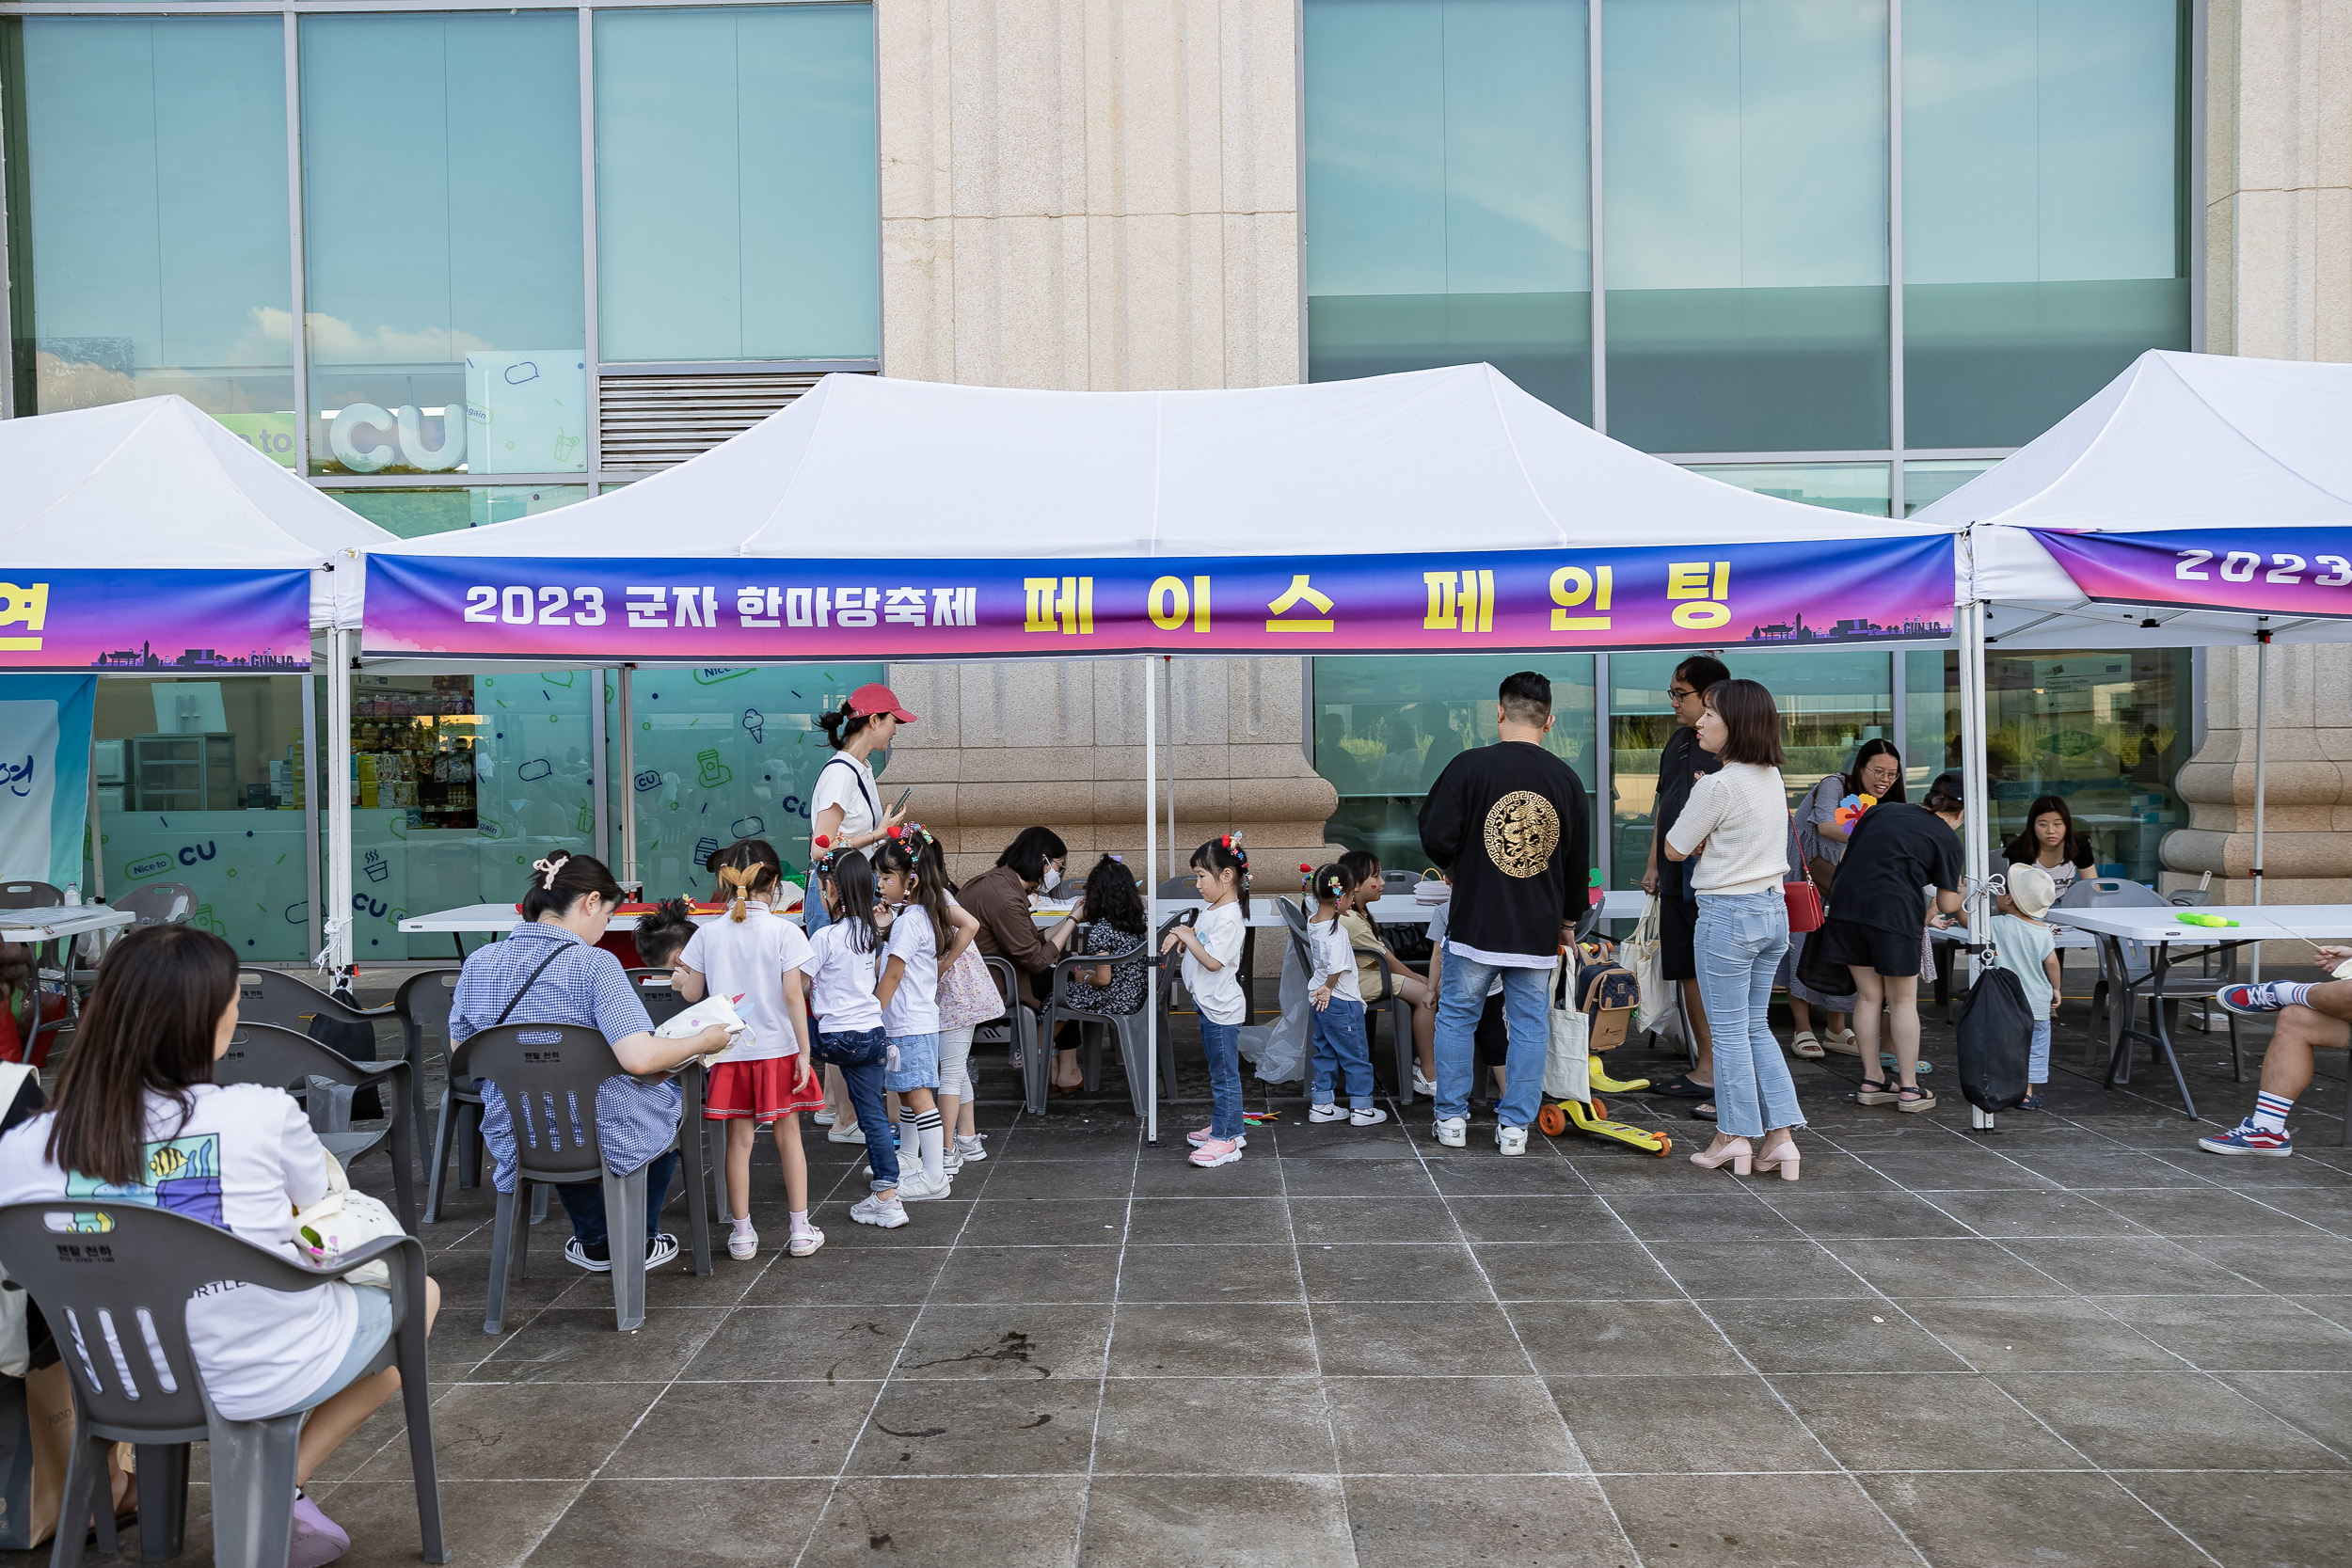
[(1646, 955), (1280, 1049), (343, 1222)]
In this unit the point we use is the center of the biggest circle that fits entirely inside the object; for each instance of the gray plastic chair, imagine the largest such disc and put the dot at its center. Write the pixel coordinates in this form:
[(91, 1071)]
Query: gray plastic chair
[(422, 1004), (537, 1068), (42, 895), (278, 996), (1019, 1026), (30, 895), (282, 1059), (662, 1004), (1131, 1032), (159, 903), (459, 1117), (113, 1280), (1400, 1016)]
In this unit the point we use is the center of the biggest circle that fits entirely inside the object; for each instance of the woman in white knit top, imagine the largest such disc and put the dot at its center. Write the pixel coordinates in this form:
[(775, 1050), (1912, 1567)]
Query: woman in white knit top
[(1737, 823)]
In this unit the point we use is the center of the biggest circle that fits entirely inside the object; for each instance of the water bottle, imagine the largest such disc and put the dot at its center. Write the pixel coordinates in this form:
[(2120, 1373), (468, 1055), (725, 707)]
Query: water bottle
[(72, 894)]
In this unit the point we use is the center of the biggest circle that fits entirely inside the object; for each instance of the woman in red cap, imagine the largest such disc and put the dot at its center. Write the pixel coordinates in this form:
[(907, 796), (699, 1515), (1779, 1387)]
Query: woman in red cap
[(845, 813)]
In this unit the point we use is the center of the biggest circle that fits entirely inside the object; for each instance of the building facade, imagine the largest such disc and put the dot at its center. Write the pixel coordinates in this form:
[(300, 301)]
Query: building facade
[(455, 265)]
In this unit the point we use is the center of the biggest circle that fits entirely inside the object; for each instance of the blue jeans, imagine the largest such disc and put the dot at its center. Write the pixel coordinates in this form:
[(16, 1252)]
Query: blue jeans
[(584, 1201), (1739, 942), (1221, 1044), (1339, 1047), (860, 1059), (1526, 1007), (2038, 1054)]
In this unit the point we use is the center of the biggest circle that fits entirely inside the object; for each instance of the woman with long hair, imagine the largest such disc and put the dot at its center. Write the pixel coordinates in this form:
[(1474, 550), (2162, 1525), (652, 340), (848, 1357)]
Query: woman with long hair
[(139, 1119), (1878, 774), (2052, 842)]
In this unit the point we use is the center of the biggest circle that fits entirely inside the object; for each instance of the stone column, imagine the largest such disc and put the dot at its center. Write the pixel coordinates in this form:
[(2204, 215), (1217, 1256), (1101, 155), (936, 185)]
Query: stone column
[(2277, 286)]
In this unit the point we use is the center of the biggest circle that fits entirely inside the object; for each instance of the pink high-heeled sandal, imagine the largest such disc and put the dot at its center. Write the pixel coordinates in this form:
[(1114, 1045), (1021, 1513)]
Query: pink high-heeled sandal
[(1736, 1150)]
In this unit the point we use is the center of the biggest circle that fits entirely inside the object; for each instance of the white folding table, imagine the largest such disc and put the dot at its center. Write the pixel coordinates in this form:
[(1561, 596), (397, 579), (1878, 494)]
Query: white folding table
[(60, 921), (2159, 928)]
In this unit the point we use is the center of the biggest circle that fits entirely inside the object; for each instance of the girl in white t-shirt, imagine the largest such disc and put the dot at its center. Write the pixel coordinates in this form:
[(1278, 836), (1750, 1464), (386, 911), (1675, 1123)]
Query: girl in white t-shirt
[(841, 966), (1339, 1023), (755, 957), (917, 950), (139, 1120), (1212, 947)]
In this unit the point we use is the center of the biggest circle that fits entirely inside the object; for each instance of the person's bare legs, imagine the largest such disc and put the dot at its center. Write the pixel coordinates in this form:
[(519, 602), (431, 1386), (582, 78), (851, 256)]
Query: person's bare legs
[(1703, 1073), (739, 1135), (1902, 1023), (331, 1424), (2287, 1064), (1423, 998), (837, 1099), (788, 1135), (1869, 996), (1801, 1015)]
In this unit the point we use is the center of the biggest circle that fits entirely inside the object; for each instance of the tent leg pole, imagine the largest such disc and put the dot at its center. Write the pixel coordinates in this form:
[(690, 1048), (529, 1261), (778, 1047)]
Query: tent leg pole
[(1150, 906), (629, 776), (1169, 666), (336, 927), (1977, 825), (2262, 759)]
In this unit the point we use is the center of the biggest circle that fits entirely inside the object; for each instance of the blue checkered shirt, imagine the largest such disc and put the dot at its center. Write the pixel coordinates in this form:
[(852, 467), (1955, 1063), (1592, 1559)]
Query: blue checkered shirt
[(635, 1120)]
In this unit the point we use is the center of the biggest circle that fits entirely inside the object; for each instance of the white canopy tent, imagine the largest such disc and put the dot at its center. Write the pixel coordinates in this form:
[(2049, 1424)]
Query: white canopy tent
[(2210, 447), (159, 485), (1454, 459)]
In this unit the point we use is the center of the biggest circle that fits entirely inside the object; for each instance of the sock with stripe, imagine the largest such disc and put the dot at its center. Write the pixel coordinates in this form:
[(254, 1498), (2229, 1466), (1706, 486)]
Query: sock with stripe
[(926, 1127), (2270, 1112)]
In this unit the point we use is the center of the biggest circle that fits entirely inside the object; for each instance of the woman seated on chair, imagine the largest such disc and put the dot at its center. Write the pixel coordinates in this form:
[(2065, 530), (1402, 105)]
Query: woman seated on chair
[(550, 970), (138, 1119)]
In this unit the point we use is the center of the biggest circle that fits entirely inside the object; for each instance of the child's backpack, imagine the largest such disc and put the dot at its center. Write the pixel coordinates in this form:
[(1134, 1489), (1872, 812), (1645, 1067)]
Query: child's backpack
[(1995, 1041), (1607, 993)]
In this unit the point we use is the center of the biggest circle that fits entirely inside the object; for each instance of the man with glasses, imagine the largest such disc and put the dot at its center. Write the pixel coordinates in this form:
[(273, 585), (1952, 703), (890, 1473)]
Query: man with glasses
[(1682, 765)]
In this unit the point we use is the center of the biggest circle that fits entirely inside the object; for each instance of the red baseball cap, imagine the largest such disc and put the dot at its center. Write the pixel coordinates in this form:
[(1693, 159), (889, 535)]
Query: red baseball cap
[(875, 698)]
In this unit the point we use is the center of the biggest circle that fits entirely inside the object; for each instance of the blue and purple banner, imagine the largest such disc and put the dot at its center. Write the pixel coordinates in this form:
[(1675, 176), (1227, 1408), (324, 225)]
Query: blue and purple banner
[(163, 622), (2270, 571), (750, 611)]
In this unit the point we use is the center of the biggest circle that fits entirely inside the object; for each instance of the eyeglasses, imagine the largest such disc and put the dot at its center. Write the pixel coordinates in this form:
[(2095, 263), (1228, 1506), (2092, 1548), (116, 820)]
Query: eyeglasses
[(1676, 693)]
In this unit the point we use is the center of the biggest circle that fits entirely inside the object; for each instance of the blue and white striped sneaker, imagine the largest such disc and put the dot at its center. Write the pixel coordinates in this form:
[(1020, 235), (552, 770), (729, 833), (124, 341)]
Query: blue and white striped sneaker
[(2246, 1138)]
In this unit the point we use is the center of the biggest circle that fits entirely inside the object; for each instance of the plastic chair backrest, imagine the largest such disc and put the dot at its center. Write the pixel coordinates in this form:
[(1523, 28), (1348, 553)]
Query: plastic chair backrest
[(1067, 967), (661, 1000), (426, 1000), (2112, 892), (278, 1057), (1180, 887), (1008, 983), (159, 903), (1399, 881), (539, 1067), (272, 996), (30, 895), (1301, 944), (114, 1279)]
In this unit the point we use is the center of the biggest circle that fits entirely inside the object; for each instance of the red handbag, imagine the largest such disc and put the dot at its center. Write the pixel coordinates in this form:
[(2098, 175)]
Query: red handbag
[(1805, 900)]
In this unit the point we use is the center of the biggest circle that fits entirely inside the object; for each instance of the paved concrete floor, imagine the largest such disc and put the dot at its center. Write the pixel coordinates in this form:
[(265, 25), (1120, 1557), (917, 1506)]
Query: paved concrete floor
[(2078, 1340)]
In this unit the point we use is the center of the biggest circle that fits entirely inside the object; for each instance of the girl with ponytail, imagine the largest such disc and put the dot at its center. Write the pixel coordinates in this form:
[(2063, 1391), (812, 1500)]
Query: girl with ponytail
[(753, 956), (1340, 1043)]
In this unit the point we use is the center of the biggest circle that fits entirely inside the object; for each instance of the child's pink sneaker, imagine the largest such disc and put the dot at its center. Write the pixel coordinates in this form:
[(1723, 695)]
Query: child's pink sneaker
[(1208, 1135), (1217, 1151)]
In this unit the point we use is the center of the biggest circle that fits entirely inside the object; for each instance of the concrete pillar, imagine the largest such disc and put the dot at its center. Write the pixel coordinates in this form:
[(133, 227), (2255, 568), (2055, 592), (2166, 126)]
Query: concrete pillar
[(2278, 286)]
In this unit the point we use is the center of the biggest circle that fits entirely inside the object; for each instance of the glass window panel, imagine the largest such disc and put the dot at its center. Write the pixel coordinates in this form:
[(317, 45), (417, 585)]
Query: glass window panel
[(442, 254), (1746, 202), (202, 782), (736, 184), (412, 513), (1830, 703), (1930, 715), (2105, 731), (1857, 487), (2043, 242), (1924, 484), (147, 217), (727, 753), (1449, 214), (1385, 727)]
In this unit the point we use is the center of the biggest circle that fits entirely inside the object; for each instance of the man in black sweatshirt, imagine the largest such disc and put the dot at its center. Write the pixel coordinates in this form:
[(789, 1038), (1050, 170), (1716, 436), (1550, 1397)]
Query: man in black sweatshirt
[(1508, 821)]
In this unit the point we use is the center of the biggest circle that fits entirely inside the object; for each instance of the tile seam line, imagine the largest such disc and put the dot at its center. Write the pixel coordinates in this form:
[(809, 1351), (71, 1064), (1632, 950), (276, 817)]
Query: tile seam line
[(1315, 1347), (1110, 1338)]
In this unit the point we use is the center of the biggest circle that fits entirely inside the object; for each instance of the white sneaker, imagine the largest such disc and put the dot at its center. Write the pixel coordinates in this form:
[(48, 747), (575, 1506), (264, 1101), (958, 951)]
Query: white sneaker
[(915, 1187), (1326, 1112), (805, 1241), (1423, 1086), (743, 1244), (1452, 1132), (1510, 1139), (950, 1161), (871, 1210), (968, 1148), (822, 1118), (844, 1133), (1208, 1136), (1367, 1116)]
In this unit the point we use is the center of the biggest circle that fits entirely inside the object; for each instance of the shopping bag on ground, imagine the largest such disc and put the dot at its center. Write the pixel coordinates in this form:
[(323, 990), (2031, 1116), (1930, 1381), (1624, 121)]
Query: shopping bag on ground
[(1646, 956), (1567, 1063)]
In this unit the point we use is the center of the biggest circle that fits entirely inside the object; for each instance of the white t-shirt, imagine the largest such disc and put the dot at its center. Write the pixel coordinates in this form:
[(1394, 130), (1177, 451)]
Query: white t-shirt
[(841, 982), (914, 1005), (244, 1160), (749, 960), (1217, 991), (846, 782), (1437, 923), (1742, 814), (1334, 955)]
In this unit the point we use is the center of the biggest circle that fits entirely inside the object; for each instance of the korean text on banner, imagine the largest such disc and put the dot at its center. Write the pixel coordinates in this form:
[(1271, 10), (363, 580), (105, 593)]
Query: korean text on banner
[(44, 775), (1816, 592)]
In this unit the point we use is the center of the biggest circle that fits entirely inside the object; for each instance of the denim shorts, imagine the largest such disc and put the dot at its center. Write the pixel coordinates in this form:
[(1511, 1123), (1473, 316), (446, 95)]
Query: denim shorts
[(369, 1337), (918, 1064)]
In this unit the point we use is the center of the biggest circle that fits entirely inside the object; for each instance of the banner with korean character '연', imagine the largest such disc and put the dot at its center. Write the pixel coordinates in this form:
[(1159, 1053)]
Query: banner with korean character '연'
[(750, 611)]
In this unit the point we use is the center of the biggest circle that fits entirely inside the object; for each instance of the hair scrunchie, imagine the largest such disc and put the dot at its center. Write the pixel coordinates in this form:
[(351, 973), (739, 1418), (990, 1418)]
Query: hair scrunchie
[(547, 870)]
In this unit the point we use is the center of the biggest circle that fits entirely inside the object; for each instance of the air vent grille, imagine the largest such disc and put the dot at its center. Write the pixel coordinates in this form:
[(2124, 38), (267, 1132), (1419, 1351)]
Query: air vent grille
[(653, 421)]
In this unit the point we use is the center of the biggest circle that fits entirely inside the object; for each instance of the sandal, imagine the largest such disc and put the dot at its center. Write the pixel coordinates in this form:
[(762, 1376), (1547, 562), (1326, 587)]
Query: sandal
[(1703, 1113), (1912, 1098), (1871, 1091), (1680, 1087), (1842, 1041), (1807, 1045)]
